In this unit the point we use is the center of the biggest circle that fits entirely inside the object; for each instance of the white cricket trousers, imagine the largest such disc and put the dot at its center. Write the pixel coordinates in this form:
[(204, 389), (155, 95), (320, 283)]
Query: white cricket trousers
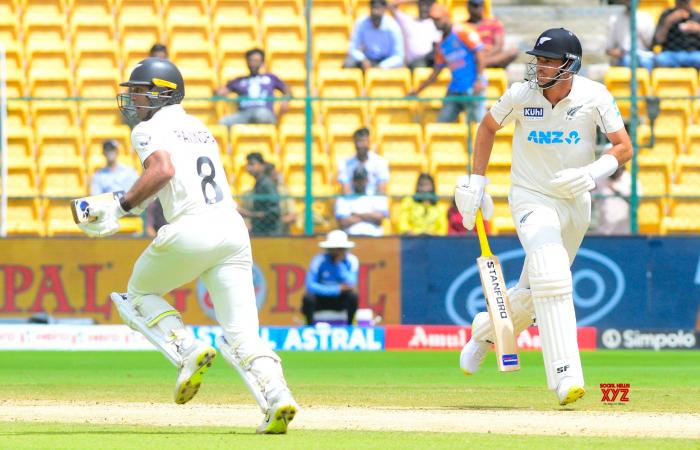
[(215, 247)]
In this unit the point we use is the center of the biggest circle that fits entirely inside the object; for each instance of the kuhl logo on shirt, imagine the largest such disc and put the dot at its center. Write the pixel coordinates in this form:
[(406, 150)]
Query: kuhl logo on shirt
[(533, 113)]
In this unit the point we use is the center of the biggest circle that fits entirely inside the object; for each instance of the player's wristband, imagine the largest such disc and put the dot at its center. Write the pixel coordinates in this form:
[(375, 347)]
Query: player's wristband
[(603, 167)]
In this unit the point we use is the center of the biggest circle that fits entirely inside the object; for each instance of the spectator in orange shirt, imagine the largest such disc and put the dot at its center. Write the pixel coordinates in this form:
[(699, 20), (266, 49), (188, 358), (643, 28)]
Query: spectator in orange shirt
[(492, 35)]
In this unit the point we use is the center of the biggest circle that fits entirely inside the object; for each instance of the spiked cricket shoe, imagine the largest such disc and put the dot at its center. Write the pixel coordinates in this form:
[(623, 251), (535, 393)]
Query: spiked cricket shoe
[(568, 391), (282, 410), (474, 352), (194, 365)]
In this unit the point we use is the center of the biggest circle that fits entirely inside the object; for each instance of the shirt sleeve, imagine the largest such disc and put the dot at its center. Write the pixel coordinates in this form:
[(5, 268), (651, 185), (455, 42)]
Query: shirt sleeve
[(278, 84), (502, 111), (342, 208), (608, 116), (343, 176), (356, 41), (234, 85), (469, 36), (315, 287), (397, 46), (146, 141)]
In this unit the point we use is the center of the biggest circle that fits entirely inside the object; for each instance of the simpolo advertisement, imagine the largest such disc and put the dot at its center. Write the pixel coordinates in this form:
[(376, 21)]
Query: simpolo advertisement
[(647, 339)]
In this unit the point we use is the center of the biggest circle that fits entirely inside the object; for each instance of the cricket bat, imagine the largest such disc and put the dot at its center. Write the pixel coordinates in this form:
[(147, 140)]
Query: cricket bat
[(494, 286), (80, 207)]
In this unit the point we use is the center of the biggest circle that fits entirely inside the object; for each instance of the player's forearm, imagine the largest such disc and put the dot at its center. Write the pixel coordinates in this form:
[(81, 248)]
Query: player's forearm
[(482, 149), (159, 171)]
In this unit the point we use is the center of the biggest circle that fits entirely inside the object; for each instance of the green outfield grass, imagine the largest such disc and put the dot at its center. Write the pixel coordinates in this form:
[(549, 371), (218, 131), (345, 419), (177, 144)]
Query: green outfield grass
[(663, 382)]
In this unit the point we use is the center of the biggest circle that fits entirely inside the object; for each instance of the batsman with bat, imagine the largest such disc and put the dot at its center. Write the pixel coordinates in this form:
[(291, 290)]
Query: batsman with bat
[(553, 169), (205, 237)]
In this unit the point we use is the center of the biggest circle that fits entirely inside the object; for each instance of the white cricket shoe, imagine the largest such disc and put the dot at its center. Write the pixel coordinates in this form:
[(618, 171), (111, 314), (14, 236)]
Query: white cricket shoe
[(568, 391), (189, 378), (282, 410), (474, 352)]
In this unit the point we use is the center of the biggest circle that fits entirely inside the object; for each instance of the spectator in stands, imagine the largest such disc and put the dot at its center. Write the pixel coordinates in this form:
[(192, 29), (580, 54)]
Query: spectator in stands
[(257, 86), (421, 213), (419, 34), (614, 209), (288, 209), (331, 281), (618, 41), (492, 35), (461, 51), (678, 33), (158, 51), (376, 40), (361, 213), (376, 166), (155, 218), (264, 212), (113, 176)]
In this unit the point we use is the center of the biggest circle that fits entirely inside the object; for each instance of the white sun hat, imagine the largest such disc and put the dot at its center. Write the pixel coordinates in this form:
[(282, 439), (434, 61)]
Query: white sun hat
[(336, 239)]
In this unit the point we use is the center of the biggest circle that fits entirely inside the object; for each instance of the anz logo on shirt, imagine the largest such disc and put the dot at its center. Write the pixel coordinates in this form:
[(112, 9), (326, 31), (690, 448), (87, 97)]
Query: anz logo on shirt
[(553, 137)]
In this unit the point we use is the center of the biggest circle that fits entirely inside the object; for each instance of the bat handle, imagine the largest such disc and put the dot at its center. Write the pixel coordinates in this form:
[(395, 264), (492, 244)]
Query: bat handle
[(481, 232)]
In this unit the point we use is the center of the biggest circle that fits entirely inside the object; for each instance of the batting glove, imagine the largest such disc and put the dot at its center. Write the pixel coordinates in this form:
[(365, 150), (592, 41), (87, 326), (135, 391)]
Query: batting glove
[(107, 216), (470, 196), (574, 182)]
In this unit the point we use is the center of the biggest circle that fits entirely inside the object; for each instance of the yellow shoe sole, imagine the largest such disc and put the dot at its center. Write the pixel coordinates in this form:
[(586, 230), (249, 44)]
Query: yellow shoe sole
[(575, 393), (278, 424), (189, 388)]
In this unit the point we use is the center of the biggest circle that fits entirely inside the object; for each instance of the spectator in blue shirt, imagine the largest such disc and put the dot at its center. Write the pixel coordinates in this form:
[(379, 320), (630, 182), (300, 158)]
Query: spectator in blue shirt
[(376, 40), (331, 281), (114, 176)]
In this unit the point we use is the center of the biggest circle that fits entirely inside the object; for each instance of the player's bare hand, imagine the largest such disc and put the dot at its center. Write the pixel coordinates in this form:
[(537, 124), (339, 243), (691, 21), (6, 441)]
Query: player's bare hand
[(470, 196), (573, 182)]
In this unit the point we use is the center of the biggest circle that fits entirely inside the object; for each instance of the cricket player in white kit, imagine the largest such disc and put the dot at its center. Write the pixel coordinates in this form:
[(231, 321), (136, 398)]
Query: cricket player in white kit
[(556, 113), (205, 237)]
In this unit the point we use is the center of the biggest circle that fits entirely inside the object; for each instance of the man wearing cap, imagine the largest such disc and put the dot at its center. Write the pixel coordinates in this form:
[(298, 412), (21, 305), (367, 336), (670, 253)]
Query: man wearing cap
[(331, 281), (114, 176), (460, 51), (556, 113), (376, 40), (360, 213)]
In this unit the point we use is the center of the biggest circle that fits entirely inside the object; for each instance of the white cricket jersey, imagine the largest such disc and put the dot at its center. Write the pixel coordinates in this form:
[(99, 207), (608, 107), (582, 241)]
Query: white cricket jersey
[(548, 139), (199, 184)]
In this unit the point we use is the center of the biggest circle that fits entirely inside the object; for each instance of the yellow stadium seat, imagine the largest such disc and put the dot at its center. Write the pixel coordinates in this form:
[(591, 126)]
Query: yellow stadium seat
[(693, 140), (289, 57), (254, 138), (402, 178), (63, 179), (20, 145), (392, 112), (187, 9), (139, 10), (48, 56), (387, 83), (502, 221), (14, 58), (683, 216), (292, 140), (24, 217), (428, 110), (502, 145), (189, 33), (93, 33), (667, 143), (329, 57), (296, 113), (401, 144), (53, 31), (97, 114), (39, 10), (295, 178), (241, 34), (617, 80), (21, 179), (136, 38), (328, 10), (446, 177), (675, 114), (94, 137), (223, 10), (353, 114), (446, 142), (361, 9), (341, 144), (132, 225), (9, 8), (89, 58), (498, 84), (654, 178), (54, 114), (341, 83), (58, 219), (650, 212), (687, 180), (233, 64), (654, 7), (98, 83), (678, 82), (280, 9), (330, 31), (59, 144), (85, 10), (220, 133), (17, 115), (499, 178), (16, 85), (9, 27), (50, 83), (283, 32)]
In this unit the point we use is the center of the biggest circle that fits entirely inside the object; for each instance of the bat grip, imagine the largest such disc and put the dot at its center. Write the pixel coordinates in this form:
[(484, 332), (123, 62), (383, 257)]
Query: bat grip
[(481, 232)]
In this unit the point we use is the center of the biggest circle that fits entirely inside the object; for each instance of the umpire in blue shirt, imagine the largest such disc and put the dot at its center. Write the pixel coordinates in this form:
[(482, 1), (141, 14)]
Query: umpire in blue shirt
[(331, 281)]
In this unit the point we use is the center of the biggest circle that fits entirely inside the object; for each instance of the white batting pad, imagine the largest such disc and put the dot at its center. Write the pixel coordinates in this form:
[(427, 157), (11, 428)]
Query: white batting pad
[(522, 309)]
